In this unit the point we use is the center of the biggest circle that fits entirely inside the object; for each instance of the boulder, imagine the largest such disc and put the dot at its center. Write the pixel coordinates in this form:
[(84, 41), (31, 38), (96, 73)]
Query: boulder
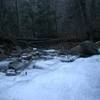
[(4, 65), (98, 44), (16, 52), (18, 65), (11, 72), (76, 50), (26, 56), (85, 49)]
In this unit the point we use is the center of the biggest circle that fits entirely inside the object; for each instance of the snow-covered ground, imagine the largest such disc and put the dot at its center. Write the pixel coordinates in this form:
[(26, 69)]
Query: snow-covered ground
[(54, 80)]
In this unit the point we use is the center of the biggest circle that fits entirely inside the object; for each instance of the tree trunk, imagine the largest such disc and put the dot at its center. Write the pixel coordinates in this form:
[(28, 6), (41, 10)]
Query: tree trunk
[(17, 16)]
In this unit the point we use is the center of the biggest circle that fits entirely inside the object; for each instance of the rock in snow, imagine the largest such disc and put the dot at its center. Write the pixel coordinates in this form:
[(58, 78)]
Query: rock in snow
[(86, 49), (78, 80), (4, 65)]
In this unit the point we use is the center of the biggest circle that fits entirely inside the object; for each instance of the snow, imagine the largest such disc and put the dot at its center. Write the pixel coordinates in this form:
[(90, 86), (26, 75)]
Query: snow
[(47, 64), (50, 50), (56, 80)]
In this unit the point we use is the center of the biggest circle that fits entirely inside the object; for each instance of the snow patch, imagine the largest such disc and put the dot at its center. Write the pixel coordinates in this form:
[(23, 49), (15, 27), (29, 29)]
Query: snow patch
[(79, 80)]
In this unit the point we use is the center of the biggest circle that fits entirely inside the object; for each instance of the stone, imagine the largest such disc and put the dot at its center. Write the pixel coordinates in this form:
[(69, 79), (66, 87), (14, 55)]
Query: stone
[(11, 72), (26, 56), (85, 49), (98, 44), (18, 65), (4, 65)]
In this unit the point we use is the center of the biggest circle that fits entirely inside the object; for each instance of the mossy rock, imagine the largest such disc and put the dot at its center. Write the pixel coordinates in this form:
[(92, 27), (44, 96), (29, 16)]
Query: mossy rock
[(85, 49)]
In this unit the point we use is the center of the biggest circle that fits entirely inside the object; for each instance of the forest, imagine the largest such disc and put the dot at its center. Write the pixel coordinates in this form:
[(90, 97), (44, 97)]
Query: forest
[(43, 19)]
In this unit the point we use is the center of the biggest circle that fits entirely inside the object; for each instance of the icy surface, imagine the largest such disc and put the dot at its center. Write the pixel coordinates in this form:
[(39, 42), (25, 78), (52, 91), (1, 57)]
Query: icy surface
[(54, 80)]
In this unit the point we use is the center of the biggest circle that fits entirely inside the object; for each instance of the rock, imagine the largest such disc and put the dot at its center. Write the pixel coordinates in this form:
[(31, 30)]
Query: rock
[(11, 72), (68, 58), (34, 49), (63, 52), (26, 56), (27, 50), (4, 65), (76, 50), (51, 52), (29, 53), (18, 65), (16, 52), (85, 49), (36, 53), (98, 44)]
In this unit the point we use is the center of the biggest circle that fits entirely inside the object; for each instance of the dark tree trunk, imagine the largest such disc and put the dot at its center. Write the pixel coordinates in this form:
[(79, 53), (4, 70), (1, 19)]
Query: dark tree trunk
[(17, 17)]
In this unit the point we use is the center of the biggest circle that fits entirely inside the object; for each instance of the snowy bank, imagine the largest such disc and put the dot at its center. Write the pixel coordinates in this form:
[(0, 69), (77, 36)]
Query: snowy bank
[(78, 80)]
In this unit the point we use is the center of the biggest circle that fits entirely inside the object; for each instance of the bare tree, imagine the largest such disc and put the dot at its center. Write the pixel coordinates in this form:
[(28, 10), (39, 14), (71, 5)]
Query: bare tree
[(1, 16), (17, 17), (88, 17)]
